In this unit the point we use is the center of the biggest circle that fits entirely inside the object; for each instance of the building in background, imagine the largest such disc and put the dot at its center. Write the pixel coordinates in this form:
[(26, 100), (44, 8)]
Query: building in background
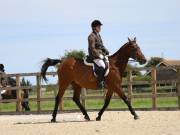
[(167, 74)]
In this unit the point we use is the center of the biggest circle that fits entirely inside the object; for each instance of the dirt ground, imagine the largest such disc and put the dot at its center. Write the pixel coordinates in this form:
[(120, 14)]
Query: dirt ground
[(113, 123)]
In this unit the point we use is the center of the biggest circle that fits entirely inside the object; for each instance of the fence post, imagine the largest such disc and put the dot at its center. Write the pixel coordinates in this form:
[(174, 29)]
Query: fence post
[(130, 87), (178, 86), (61, 105), (154, 88), (83, 97), (18, 94), (55, 92), (38, 81)]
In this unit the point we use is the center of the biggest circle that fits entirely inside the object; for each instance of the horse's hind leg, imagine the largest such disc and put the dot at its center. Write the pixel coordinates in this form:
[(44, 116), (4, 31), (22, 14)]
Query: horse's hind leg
[(76, 99), (128, 103), (106, 103), (62, 88)]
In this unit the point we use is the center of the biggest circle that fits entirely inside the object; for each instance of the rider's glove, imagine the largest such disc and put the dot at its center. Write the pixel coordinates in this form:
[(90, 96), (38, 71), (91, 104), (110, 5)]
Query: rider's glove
[(101, 56)]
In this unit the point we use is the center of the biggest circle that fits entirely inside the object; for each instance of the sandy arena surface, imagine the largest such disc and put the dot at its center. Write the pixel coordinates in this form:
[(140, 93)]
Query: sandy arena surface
[(113, 123)]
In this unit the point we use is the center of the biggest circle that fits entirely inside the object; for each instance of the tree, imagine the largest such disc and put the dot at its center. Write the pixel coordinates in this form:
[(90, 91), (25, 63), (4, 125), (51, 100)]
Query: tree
[(74, 53), (25, 82), (154, 61)]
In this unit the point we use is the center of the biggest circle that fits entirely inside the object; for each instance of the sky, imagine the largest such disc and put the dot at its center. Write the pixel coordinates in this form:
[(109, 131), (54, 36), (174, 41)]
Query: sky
[(32, 30)]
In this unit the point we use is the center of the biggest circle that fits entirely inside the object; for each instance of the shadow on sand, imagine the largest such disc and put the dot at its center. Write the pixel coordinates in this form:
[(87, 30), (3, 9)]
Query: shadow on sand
[(48, 122)]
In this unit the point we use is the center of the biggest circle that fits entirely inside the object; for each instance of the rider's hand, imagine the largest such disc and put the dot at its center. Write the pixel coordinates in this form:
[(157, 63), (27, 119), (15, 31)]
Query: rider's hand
[(106, 51), (101, 56)]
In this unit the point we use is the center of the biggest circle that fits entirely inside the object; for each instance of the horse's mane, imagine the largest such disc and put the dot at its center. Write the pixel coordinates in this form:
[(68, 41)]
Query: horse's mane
[(120, 49)]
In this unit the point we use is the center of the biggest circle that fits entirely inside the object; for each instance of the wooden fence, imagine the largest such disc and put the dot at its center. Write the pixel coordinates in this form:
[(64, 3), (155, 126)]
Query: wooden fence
[(84, 96)]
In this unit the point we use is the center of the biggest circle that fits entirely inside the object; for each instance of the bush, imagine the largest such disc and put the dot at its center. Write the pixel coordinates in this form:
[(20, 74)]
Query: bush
[(74, 53)]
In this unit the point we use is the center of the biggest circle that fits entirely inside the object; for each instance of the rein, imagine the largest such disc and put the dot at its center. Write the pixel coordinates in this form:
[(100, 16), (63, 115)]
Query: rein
[(132, 61)]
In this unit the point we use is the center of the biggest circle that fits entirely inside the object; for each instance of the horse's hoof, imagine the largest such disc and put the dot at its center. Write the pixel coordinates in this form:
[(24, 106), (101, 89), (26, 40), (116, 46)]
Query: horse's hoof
[(136, 117), (87, 118), (98, 119), (53, 120)]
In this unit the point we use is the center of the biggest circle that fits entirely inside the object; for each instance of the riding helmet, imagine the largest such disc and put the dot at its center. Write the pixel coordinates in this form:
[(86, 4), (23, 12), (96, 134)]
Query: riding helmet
[(96, 23)]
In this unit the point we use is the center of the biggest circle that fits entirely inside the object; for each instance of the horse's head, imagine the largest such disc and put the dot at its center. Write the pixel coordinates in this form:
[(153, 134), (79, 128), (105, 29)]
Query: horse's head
[(135, 52)]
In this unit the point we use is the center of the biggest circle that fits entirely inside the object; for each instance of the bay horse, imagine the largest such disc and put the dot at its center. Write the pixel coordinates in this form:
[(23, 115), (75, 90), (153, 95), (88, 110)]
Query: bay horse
[(73, 71), (11, 94)]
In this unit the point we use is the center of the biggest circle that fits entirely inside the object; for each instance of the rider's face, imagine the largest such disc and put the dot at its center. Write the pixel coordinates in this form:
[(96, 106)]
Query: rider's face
[(98, 28)]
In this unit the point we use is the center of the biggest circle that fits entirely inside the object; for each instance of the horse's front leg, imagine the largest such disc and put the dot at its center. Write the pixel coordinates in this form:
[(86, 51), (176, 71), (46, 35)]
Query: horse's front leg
[(128, 103), (76, 99), (106, 103)]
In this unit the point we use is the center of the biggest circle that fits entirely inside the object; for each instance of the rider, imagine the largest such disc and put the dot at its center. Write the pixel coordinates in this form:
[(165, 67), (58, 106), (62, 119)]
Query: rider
[(97, 51), (2, 68)]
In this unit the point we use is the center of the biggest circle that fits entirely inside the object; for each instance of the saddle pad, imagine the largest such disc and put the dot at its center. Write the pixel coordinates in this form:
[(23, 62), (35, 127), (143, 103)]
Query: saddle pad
[(87, 63)]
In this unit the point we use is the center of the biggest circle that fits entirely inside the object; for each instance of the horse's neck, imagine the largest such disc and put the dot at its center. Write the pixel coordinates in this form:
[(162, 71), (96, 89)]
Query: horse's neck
[(120, 59)]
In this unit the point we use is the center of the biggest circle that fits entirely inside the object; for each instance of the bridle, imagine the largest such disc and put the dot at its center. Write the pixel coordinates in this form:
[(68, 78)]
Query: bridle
[(134, 55)]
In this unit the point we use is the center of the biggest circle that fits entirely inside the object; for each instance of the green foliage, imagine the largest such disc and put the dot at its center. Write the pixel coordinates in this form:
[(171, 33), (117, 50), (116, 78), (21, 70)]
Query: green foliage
[(154, 61), (97, 104), (74, 53), (50, 87), (25, 82)]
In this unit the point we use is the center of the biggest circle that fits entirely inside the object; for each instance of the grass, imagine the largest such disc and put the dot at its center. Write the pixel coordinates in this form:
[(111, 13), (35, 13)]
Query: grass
[(90, 104), (96, 104)]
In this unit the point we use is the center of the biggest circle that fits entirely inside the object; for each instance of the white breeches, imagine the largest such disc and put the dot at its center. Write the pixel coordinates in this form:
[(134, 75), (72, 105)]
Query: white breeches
[(100, 62)]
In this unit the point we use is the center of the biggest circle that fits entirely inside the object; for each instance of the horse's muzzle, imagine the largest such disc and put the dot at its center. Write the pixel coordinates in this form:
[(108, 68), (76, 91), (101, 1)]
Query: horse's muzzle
[(142, 61)]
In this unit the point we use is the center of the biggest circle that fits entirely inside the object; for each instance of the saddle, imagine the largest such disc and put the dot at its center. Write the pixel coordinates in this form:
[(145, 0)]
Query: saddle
[(89, 62)]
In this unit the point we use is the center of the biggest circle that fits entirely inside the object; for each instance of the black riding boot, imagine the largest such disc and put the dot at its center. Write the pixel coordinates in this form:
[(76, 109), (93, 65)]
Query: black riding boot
[(100, 77)]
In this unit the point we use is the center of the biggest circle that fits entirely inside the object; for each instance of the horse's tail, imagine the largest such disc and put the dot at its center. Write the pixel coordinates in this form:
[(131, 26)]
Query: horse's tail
[(48, 62)]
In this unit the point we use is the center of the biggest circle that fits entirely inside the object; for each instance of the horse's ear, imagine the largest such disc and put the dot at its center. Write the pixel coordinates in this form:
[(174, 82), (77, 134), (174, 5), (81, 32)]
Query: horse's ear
[(129, 39), (135, 39)]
